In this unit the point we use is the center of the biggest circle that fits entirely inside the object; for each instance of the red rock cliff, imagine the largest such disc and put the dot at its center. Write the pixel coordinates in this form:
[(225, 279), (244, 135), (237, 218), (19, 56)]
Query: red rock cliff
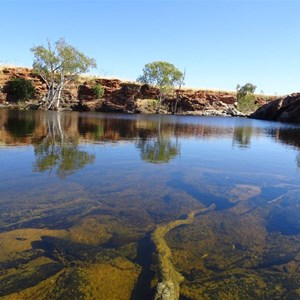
[(124, 96)]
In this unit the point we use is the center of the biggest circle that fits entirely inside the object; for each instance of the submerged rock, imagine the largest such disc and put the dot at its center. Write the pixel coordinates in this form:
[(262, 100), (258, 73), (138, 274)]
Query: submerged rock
[(165, 291)]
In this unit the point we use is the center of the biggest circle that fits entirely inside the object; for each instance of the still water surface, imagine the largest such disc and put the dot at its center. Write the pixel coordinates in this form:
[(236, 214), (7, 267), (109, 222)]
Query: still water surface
[(81, 195)]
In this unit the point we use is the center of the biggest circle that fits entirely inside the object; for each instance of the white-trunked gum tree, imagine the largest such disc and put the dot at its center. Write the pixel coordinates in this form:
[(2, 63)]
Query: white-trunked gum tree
[(163, 75), (57, 65)]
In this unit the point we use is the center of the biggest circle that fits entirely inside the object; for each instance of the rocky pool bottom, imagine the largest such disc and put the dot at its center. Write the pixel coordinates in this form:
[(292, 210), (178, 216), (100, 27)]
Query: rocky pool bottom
[(232, 254)]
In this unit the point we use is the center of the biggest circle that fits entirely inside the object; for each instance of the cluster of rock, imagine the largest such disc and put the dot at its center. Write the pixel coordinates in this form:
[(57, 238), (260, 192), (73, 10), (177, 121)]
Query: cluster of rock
[(120, 96), (286, 109)]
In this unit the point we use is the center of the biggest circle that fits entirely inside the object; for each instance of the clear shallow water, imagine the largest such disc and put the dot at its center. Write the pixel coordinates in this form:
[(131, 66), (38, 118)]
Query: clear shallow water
[(81, 193)]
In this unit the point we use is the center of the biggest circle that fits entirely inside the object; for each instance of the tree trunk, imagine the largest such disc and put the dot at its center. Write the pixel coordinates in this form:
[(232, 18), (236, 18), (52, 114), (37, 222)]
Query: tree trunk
[(50, 96), (60, 87), (160, 99), (176, 103), (58, 96), (54, 96), (177, 93)]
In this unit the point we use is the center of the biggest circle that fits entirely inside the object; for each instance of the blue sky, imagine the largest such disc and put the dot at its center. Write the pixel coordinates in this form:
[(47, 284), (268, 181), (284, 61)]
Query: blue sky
[(220, 43)]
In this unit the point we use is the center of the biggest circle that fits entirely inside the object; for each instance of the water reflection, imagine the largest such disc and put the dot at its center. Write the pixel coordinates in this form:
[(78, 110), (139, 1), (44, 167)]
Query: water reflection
[(289, 136), (158, 150), (56, 136), (161, 148), (57, 150), (89, 236), (65, 158), (242, 136), (19, 124)]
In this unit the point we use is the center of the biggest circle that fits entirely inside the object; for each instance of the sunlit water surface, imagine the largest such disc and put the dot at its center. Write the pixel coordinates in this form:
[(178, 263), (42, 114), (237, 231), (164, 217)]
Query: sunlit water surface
[(82, 193)]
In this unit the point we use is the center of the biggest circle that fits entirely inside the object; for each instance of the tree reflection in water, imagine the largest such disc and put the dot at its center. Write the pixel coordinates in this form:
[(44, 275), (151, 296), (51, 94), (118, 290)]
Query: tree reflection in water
[(242, 136), (161, 148), (19, 124), (58, 152)]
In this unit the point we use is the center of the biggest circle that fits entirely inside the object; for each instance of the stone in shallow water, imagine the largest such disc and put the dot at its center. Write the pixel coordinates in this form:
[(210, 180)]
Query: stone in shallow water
[(243, 192), (165, 291)]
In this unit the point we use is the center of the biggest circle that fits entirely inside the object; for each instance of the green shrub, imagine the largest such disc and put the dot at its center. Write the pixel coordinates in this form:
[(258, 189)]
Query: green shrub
[(98, 90), (245, 98), (20, 88), (246, 103), (152, 103)]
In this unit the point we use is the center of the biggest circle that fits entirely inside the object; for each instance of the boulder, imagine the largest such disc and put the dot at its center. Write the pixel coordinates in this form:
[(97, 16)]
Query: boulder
[(285, 109)]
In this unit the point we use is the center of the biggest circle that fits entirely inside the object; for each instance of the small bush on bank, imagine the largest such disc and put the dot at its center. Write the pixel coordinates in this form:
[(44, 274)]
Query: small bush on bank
[(247, 104), (98, 90), (245, 98), (20, 89)]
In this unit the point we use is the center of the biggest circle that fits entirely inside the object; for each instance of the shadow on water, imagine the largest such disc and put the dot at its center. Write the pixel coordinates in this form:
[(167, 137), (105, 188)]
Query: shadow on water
[(177, 182), (145, 250), (22, 280), (283, 222), (71, 253)]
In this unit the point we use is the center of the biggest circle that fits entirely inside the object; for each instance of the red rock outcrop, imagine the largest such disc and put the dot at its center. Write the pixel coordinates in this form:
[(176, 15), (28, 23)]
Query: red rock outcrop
[(124, 96)]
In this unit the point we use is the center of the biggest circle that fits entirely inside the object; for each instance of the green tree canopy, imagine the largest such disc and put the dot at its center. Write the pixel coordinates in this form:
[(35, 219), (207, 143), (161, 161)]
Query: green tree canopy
[(58, 65), (162, 74), (245, 97), (246, 89)]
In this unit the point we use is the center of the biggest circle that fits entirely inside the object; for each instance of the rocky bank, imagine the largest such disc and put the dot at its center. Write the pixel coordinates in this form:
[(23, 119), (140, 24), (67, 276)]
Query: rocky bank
[(121, 96), (285, 109)]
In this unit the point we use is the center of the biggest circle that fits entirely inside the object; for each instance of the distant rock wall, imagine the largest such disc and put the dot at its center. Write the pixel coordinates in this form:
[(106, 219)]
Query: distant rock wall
[(285, 109), (120, 96)]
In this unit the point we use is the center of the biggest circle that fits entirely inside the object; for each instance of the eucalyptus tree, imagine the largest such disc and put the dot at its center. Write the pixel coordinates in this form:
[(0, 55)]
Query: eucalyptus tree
[(58, 65), (181, 83), (163, 75), (245, 89)]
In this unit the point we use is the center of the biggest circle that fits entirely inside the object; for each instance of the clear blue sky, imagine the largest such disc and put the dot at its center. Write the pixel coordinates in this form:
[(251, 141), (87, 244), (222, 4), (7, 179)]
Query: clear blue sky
[(220, 43)]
